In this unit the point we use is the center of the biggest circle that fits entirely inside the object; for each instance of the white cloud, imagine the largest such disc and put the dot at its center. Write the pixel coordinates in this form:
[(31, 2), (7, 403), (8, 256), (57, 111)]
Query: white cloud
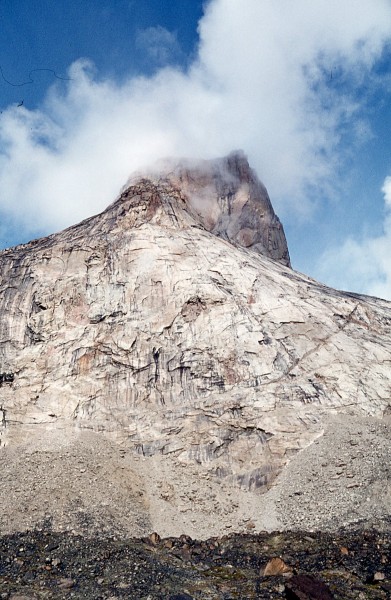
[(362, 265), (386, 189), (260, 82), (160, 45)]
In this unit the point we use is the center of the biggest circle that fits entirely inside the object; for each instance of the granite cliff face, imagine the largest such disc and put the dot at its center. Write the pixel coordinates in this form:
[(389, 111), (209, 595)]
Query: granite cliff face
[(173, 323), (226, 197)]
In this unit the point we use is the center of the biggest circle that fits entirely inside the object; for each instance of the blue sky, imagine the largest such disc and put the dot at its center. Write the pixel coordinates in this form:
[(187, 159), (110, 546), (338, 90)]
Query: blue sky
[(93, 90)]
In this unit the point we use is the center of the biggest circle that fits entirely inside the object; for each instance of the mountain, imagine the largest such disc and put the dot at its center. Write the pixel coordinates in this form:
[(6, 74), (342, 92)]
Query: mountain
[(173, 325)]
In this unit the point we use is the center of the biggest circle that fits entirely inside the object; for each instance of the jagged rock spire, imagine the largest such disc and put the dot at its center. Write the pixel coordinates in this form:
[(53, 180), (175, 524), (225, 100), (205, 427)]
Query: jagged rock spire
[(226, 197)]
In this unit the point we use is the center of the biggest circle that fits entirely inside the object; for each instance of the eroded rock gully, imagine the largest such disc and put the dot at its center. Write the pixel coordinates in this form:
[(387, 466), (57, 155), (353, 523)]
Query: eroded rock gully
[(172, 325)]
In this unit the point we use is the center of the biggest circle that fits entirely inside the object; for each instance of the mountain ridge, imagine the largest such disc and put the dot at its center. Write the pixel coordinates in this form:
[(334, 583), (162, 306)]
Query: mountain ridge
[(185, 347)]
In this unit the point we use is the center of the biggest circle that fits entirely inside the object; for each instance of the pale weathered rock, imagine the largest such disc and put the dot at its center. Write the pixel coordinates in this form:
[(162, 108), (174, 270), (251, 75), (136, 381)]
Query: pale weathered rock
[(143, 324)]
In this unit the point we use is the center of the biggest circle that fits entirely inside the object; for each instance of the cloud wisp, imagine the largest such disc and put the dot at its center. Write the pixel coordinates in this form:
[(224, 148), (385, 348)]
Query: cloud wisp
[(278, 79)]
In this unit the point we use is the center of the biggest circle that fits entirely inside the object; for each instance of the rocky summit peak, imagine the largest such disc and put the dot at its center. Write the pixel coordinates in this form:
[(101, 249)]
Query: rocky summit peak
[(223, 195)]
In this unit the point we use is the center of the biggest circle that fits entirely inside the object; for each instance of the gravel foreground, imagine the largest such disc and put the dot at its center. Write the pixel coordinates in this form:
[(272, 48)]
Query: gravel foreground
[(304, 566), (77, 512)]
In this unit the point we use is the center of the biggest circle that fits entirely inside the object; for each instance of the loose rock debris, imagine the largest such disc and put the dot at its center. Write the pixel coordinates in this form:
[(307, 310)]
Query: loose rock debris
[(349, 564)]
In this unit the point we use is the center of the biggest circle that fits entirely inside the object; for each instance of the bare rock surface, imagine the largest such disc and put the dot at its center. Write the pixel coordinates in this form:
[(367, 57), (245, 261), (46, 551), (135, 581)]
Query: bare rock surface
[(161, 371)]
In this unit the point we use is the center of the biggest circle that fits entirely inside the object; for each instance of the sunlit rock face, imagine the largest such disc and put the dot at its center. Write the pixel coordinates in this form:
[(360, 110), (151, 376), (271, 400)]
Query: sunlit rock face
[(173, 323)]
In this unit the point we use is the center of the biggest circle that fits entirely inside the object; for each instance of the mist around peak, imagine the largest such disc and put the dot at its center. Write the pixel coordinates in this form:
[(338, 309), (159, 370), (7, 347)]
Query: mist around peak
[(227, 198)]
